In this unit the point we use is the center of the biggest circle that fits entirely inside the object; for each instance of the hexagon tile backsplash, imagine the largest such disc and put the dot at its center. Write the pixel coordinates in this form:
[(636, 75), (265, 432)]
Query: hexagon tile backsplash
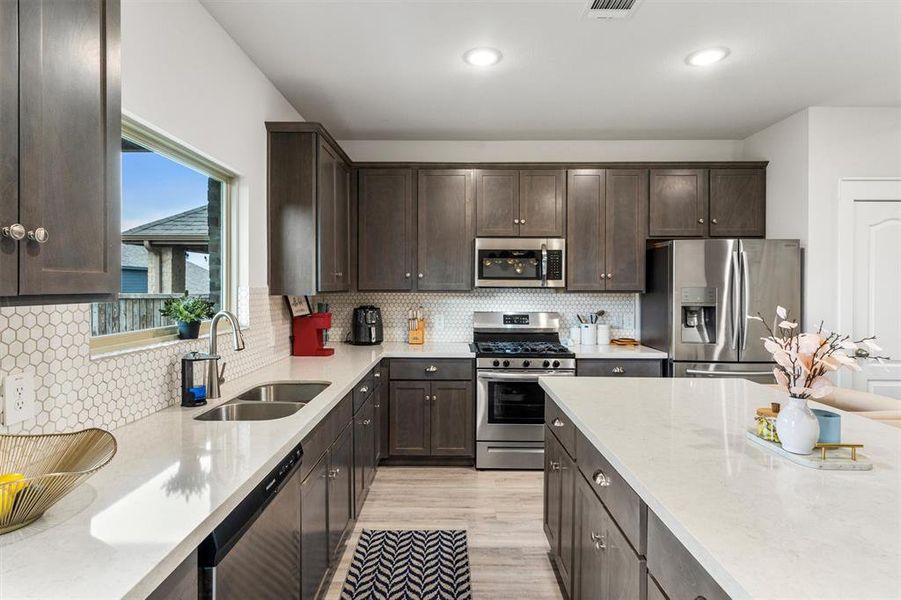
[(74, 390), (449, 314)]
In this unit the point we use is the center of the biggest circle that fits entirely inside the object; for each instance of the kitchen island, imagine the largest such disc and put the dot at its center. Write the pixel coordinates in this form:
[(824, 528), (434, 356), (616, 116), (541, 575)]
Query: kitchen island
[(668, 461)]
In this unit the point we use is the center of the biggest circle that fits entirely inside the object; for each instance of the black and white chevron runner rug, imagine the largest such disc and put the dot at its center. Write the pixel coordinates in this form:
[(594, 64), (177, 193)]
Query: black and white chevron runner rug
[(409, 565)]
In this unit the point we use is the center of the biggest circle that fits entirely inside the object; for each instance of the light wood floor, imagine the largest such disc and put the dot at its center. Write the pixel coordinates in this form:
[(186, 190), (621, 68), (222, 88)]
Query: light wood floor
[(501, 512)]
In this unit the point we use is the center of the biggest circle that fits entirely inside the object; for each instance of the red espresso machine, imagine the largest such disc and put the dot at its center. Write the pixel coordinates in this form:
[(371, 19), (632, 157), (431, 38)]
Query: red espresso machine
[(309, 335)]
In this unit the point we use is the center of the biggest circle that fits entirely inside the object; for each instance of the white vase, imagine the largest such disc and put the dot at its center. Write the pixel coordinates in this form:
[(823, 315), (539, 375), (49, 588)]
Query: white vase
[(797, 427)]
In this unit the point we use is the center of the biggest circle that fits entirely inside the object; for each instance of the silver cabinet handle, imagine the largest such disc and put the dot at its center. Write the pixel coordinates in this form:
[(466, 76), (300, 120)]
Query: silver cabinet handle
[(420, 275), (618, 370), (339, 274), (427, 398), (555, 466), (431, 369), (701, 221), (522, 221), (557, 423), (603, 276), (16, 231), (364, 389), (39, 235), (407, 275), (516, 221), (434, 397), (601, 479), (376, 406), (598, 539), (377, 375), (714, 221), (367, 421), (609, 275)]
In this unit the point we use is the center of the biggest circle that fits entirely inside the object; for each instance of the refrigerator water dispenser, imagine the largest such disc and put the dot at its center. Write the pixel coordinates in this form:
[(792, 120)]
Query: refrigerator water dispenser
[(698, 315)]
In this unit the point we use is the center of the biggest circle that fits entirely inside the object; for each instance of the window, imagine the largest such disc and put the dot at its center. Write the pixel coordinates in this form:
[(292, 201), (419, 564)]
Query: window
[(175, 238)]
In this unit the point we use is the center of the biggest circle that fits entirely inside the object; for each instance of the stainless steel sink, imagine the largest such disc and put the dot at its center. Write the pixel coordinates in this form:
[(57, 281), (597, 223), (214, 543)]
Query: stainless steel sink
[(250, 411), (303, 391)]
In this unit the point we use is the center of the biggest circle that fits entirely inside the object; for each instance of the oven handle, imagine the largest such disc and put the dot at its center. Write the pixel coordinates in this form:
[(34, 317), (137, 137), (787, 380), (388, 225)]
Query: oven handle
[(531, 376)]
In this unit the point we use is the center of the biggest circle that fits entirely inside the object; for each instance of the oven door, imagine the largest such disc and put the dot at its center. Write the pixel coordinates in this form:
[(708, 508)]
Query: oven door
[(510, 405)]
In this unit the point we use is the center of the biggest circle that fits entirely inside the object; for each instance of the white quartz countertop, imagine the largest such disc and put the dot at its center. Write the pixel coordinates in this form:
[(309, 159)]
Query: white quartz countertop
[(611, 351), (172, 481), (761, 526)]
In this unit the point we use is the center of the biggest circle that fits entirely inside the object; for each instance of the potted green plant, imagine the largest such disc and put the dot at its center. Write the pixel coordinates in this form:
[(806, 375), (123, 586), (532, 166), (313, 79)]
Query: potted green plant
[(187, 312)]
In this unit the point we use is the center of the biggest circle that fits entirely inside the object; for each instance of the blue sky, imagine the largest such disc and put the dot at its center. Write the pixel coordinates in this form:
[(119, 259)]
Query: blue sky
[(154, 187)]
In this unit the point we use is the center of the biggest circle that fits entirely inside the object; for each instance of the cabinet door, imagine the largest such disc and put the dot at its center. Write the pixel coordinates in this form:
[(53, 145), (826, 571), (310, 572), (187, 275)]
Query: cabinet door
[(738, 202), (678, 203), (623, 571), (542, 206), (552, 453), (340, 493), (342, 227), (588, 572), (382, 399), (9, 145), (626, 229), (568, 478), (409, 424), (452, 419), (497, 203), (69, 146), (364, 453), (326, 216), (585, 216), (654, 591), (445, 246), (385, 227), (314, 553)]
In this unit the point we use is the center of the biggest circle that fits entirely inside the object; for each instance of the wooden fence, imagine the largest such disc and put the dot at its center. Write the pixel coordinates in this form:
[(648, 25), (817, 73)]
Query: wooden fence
[(132, 312)]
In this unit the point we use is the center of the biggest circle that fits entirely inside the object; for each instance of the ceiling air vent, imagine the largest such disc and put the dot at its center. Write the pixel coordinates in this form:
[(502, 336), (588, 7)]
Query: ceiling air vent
[(609, 9)]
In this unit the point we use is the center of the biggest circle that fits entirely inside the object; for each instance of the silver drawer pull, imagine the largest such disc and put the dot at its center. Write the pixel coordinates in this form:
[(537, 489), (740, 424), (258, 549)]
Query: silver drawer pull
[(599, 542), (431, 369), (555, 466), (618, 370), (364, 389), (376, 406), (601, 479), (367, 421), (558, 423), (39, 235), (16, 231), (377, 375)]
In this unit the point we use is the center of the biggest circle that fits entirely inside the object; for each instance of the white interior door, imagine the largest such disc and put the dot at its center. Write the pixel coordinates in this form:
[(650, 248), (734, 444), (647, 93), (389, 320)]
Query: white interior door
[(876, 292)]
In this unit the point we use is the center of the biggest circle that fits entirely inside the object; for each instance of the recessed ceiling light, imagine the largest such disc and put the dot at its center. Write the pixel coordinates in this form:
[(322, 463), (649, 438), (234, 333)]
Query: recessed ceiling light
[(482, 57), (708, 56)]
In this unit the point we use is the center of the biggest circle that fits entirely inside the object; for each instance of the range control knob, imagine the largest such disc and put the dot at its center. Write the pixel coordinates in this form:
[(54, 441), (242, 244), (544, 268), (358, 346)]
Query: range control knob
[(556, 364), (496, 363), (526, 363), (546, 364), (506, 363)]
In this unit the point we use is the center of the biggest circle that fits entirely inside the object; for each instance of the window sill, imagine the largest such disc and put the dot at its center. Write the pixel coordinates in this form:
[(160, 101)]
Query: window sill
[(123, 344)]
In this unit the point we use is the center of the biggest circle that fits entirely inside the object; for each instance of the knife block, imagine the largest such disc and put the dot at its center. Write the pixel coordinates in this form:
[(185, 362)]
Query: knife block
[(417, 336)]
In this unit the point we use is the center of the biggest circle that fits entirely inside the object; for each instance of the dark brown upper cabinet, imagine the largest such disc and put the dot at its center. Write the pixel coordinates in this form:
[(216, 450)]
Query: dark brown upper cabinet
[(738, 202), (309, 211), (678, 203), (445, 240), (606, 230), (60, 136), (528, 203), (542, 205), (497, 203), (385, 230)]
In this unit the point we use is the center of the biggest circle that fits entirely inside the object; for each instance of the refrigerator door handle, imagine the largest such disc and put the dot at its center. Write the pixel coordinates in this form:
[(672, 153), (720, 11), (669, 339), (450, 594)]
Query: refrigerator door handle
[(728, 373), (746, 298), (734, 299)]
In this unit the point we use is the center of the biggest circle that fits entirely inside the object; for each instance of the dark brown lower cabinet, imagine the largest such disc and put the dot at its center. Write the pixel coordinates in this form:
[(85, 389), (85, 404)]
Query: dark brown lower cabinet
[(431, 418), (606, 565), (364, 452), (677, 573), (340, 493), (381, 398), (314, 531), (559, 508)]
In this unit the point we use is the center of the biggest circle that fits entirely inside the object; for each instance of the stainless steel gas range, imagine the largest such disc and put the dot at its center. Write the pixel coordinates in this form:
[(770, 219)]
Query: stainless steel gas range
[(512, 351)]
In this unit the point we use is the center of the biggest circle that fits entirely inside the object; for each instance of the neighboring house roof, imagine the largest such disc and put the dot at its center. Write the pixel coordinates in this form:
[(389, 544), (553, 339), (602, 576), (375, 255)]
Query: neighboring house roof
[(197, 279), (186, 228)]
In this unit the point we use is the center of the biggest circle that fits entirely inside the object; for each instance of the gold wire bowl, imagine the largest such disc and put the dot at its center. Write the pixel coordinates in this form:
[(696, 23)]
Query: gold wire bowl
[(53, 464)]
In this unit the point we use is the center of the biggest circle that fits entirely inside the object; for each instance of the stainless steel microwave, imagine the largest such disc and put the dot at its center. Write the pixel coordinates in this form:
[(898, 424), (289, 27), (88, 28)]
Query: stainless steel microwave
[(520, 262)]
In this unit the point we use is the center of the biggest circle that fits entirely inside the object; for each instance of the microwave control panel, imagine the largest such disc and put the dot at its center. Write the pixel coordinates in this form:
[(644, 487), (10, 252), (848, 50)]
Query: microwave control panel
[(555, 264)]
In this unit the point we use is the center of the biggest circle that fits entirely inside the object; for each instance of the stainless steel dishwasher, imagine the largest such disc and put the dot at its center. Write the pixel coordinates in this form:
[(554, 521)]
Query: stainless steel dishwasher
[(255, 551)]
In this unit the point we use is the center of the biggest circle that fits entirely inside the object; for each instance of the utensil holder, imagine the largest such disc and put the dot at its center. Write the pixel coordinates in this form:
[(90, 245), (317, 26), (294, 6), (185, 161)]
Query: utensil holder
[(603, 334), (588, 334)]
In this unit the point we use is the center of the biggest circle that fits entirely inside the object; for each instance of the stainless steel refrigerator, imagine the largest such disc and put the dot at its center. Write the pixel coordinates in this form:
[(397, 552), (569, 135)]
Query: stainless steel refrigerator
[(699, 296)]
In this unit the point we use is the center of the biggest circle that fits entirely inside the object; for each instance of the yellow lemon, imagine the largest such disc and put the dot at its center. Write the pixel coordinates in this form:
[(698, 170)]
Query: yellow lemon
[(8, 491)]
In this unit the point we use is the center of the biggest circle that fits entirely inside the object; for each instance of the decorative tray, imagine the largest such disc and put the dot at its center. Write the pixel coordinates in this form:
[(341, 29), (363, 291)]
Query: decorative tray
[(837, 459)]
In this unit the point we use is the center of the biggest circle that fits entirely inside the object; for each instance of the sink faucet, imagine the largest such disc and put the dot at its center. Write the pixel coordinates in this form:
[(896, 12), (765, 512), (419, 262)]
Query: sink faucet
[(214, 377)]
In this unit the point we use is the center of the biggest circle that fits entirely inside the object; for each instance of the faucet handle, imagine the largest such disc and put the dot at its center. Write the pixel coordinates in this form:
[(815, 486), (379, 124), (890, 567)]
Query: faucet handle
[(222, 374)]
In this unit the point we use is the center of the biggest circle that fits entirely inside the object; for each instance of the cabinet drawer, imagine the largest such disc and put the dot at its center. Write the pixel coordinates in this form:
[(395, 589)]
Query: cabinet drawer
[(627, 509), (619, 368), (363, 390), (675, 569), (560, 424), (440, 368)]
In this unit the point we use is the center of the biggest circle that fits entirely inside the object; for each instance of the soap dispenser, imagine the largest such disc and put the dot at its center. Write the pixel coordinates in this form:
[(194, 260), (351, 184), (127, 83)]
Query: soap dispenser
[(193, 393)]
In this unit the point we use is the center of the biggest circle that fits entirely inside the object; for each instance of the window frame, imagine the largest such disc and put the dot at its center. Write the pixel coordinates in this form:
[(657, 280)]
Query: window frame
[(164, 145)]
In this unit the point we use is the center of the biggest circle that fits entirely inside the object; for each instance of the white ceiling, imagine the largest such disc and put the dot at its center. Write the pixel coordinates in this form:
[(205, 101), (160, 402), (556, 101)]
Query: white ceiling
[(390, 69)]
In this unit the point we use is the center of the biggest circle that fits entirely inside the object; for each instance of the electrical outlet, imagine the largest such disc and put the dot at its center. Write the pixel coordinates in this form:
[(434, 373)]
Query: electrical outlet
[(18, 398), (439, 322)]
